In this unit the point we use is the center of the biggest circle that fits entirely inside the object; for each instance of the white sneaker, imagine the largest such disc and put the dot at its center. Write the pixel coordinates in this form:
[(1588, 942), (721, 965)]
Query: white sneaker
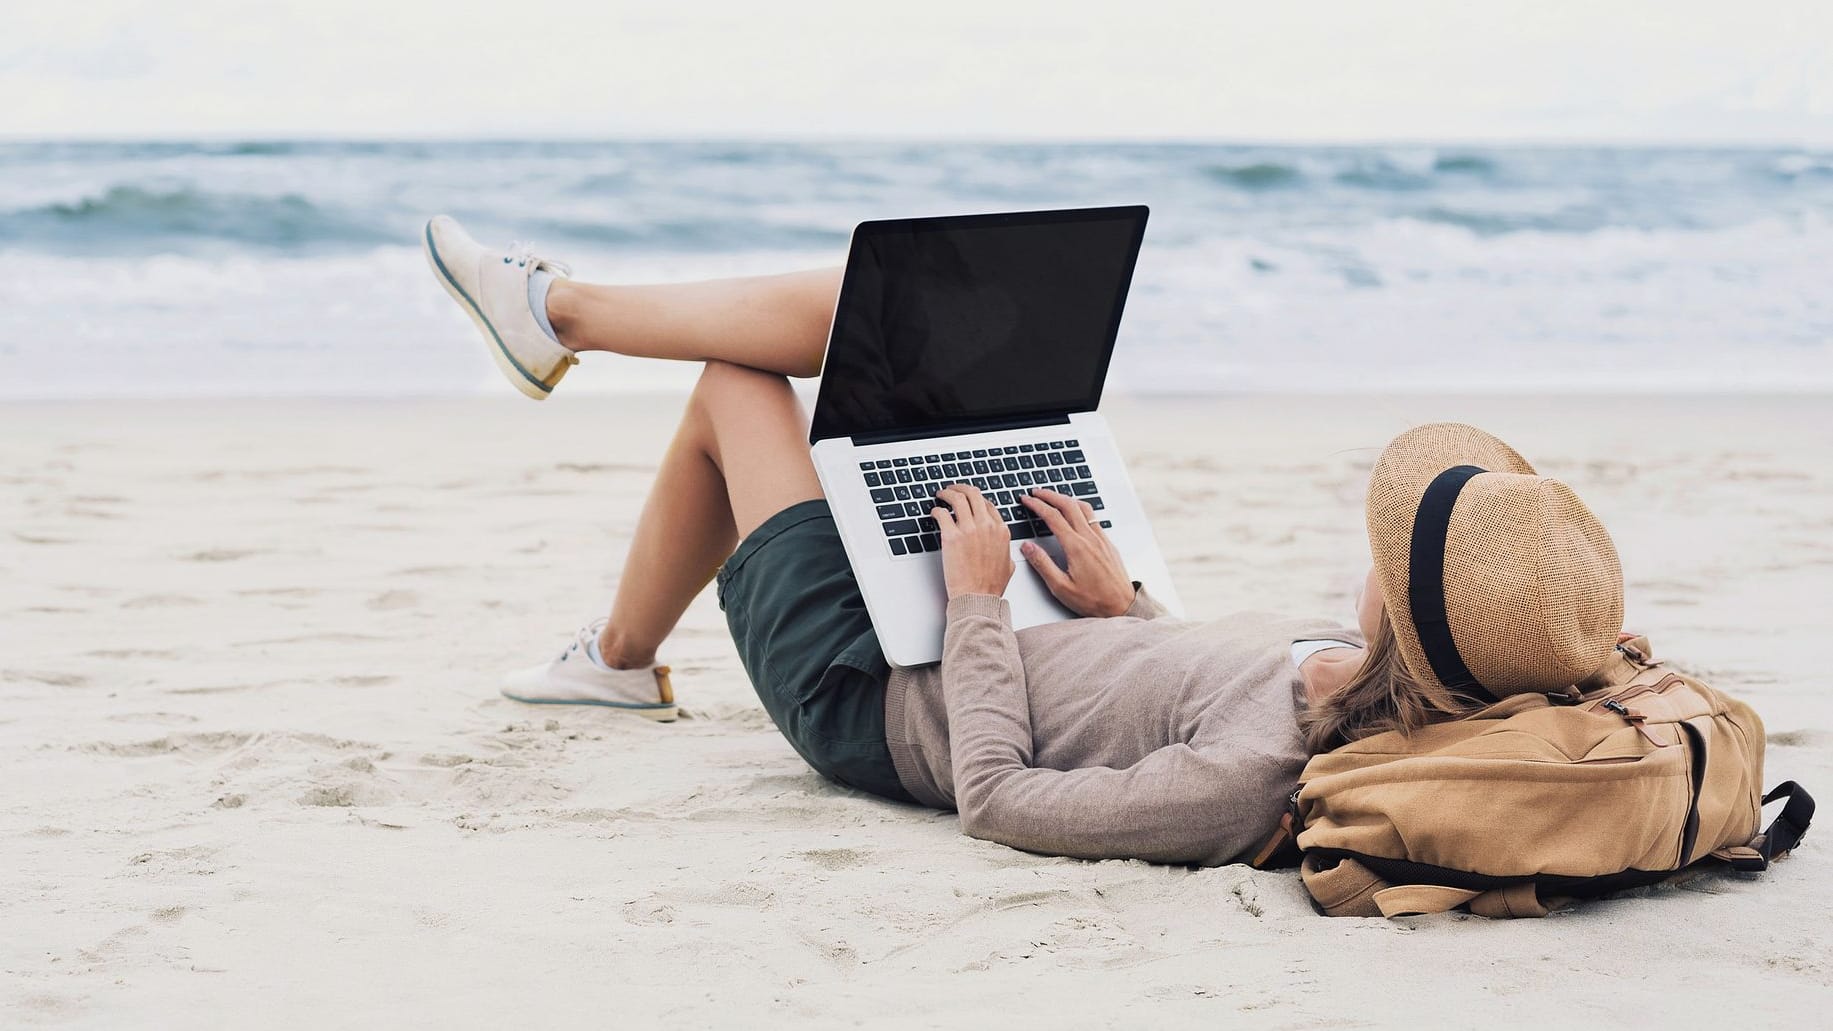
[(492, 288), (574, 679)]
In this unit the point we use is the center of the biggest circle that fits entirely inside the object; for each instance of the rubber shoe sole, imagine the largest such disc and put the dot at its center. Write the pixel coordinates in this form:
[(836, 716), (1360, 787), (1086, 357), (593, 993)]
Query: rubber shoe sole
[(518, 377)]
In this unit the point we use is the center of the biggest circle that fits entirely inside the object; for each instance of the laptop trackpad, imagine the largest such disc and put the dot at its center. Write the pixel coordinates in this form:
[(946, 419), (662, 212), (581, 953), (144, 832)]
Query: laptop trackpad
[(1032, 603)]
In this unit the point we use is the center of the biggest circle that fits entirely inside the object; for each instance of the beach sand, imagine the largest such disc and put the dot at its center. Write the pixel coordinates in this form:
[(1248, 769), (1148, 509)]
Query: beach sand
[(256, 771)]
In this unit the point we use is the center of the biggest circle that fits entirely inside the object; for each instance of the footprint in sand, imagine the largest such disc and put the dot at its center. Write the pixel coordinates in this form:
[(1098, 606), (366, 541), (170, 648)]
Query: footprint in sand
[(390, 601), (162, 718), (220, 555), (836, 858), (51, 677), (157, 601), (194, 743), (32, 538)]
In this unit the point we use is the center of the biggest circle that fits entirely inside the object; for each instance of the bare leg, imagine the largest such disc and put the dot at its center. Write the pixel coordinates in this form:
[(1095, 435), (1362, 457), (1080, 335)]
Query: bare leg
[(774, 323), (740, 456)]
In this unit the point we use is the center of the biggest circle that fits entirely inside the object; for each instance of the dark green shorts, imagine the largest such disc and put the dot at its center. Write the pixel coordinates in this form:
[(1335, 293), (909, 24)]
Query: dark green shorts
[(804, 637)]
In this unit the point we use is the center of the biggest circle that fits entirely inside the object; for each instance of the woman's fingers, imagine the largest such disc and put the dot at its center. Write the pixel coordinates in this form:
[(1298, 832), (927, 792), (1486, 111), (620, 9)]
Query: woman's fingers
[(972, 503), (1074, 518), (1074, 512), (1047, 569), (983, 509), (955, 499), (1050, 514)]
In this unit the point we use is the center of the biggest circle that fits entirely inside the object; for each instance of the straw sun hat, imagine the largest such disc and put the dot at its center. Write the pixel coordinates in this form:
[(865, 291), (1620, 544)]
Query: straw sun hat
[(1498, 580)]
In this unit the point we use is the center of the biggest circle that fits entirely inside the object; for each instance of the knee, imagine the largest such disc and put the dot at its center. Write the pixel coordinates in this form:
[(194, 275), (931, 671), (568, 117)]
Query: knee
[(724, 382)]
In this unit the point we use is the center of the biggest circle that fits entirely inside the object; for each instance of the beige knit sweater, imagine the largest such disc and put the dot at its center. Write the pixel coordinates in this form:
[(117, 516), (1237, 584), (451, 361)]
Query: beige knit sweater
[(1135, 736)]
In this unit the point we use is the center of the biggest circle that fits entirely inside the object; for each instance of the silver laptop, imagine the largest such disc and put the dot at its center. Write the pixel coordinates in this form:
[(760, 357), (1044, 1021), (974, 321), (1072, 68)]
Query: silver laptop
[(973, 349)]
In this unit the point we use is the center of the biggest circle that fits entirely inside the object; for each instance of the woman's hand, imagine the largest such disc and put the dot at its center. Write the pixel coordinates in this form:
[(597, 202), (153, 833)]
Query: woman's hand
[(976, 546), (1092, 582)]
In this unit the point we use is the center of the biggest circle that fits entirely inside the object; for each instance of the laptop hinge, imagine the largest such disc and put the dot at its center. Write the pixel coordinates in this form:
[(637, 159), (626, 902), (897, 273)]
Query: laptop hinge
[(956, 429)]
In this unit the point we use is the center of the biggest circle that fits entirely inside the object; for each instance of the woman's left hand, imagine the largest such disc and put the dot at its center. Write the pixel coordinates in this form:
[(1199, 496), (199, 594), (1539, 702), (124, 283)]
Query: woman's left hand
[(976, 546), (1093, 580)]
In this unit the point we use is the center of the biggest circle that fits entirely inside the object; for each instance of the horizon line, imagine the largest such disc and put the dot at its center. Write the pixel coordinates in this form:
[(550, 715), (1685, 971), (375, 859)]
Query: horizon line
[(987, 139)]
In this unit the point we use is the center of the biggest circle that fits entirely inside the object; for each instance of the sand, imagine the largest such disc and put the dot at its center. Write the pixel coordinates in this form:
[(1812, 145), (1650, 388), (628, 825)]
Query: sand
[(256, 771)]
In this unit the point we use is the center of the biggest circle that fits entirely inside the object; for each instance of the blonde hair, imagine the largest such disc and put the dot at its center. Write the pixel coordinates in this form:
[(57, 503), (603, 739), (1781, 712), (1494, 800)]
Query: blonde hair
[(1381, 696)]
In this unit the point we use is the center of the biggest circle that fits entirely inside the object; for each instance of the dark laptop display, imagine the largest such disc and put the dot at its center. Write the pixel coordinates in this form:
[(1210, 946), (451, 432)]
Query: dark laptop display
[(947, 324)]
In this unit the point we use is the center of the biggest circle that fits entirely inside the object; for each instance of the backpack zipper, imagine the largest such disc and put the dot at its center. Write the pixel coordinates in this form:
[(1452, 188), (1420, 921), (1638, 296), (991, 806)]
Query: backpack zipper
[(1658, 687)]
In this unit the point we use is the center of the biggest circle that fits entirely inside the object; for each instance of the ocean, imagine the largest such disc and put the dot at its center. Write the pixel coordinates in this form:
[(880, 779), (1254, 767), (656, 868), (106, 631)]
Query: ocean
[(205, 269)]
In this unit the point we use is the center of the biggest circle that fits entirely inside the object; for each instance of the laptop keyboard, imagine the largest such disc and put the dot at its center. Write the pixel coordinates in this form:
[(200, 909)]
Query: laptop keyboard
[(904, 489)]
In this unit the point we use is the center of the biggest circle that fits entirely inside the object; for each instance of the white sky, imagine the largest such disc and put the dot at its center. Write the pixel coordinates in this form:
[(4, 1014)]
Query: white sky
[(1709, 70)]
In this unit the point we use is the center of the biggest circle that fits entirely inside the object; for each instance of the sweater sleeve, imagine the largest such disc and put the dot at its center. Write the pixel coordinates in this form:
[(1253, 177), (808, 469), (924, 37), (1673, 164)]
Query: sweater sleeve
[(1177, 805), (1144, 605)]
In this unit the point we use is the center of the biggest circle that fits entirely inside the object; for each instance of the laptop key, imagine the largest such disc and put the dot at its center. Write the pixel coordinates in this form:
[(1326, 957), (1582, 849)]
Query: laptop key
[(890, 512), (950, 471), (932, 542), (1074, 456), (1023, 531), (927, 525), (883, 463), (1107, 524), (897, 546), (903, 493), (911, 509), (1083, 489), (901, 528), (1026, 461), (1082, 473), (1024, 479), (1027, 447), (871, 479), (982, 468), (934, 472), (1095, 502), (1009, 480), (882, 495)]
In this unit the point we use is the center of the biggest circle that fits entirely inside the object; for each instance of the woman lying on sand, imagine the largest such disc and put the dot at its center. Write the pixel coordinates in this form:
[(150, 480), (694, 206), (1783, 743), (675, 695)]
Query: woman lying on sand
[(1124, 734)]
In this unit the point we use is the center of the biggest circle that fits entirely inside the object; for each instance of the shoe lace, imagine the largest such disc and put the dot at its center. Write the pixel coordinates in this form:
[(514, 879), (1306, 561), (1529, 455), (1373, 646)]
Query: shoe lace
[(586, 635), (523, 255)]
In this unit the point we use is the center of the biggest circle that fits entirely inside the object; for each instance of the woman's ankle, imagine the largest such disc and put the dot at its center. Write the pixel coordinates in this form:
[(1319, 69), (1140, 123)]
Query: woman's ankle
[(563, 313), (619, 653)]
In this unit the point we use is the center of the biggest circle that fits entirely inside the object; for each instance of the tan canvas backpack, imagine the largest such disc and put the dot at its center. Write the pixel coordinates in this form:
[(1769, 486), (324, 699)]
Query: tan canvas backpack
[(1636, 774)]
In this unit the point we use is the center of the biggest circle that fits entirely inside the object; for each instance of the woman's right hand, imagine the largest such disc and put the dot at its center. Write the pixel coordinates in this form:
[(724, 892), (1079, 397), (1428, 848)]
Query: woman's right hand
[(1092, 581), (976, 546)]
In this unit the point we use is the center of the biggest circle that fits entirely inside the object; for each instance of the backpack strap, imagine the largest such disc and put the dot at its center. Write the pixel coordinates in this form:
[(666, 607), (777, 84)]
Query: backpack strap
[(1783, 833), (1280, 851), (1511, 903), (1421, 899), (1517, 900), (1344, 888)]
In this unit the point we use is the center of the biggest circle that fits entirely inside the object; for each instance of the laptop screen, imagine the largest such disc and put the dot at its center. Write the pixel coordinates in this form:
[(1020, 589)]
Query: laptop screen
[(946, 322)]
